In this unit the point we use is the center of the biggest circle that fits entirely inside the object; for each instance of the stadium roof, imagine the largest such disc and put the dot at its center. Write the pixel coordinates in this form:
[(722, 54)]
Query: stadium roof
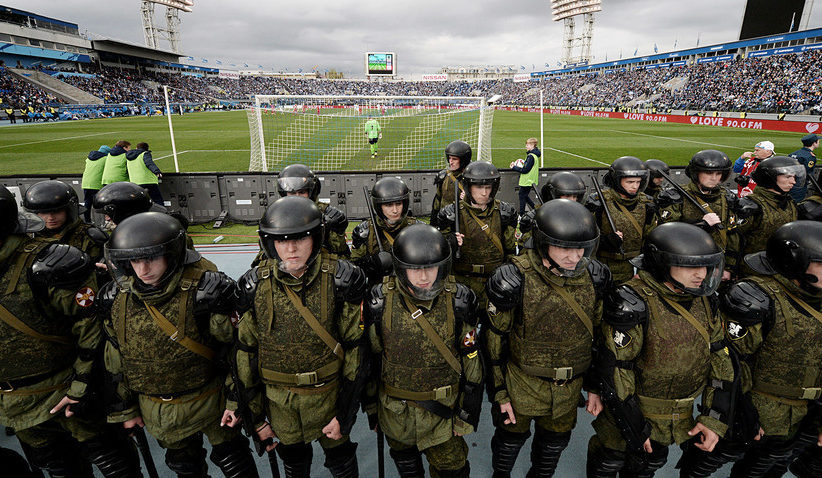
[(39, 17), (705, 50), (119, 47)]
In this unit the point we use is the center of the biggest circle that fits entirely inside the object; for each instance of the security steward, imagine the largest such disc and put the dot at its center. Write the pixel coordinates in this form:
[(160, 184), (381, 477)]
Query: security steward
[(457, 156), (300, 352), (544, 314), (422, 324), (806, 158)]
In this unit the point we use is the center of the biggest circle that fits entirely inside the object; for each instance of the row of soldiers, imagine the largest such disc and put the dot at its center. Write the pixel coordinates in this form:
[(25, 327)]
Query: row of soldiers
[(306, 337)]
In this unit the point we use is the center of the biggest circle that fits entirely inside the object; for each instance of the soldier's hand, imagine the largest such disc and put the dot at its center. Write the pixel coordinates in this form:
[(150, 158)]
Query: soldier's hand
[(711, 219), (459, 237), (230, 419), (593, 405), (133, 423), (265, 432), (709, 437), (647, 446), (819, 440), (332, 430), (619, 233), (507, 408), (101, 265), (65, 402), (761, 433)]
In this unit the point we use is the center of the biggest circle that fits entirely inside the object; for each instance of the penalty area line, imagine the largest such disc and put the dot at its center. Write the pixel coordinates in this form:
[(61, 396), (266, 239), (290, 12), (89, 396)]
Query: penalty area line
[(578, 156), (51, 140)]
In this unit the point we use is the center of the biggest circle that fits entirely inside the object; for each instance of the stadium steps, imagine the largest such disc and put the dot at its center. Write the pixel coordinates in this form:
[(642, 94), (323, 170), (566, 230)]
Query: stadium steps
[(58, 88), (587, 87), (675, 83)]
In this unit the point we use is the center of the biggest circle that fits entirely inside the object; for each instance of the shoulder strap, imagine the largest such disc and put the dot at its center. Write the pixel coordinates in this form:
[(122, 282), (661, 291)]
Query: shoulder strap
[(12, 320), (486, 229), (312, 322), (777, 293), (583, 317), (24, 252), (690, 318), (417, 316), (174, 334), (814, 313), (631, 217), (191, 277)]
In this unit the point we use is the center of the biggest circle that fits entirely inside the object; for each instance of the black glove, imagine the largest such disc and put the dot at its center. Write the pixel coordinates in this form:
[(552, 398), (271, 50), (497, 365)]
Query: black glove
[(742, 180)]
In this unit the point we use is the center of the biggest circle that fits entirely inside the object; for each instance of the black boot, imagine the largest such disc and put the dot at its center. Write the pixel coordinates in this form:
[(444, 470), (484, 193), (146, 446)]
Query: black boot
[(187, 462), (296, 459), (505, 447), (603, 462), (759, 460), (696, 463), (234, 458), (545, 452), (60, 460), (16, 465), (464, 472), (645, 465), (341, 460), (114, 455), (809, 463), (408, 462)]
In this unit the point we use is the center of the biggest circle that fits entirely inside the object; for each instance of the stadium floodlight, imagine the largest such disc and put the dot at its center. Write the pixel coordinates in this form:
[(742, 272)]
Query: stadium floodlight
[(327, 132), (152, 33), (562, 9), (184, 5), (566, 10)]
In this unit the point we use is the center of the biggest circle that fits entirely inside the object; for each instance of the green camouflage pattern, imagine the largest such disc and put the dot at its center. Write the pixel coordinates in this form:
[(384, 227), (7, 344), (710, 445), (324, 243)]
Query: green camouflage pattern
[(685, 211), (632, 239), (675, 363), (445, 191), (787, 355), (387, 235), (450, 455), (753, 232), (335, 243), (76, 234)]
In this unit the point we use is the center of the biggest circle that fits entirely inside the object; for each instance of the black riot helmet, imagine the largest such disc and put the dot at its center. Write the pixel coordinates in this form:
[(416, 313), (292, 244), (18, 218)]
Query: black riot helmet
[(291, 218), (417, 249), (52, 196), (461, 150), (480, 173), (569, 225), (121, 200), (298, 177), (766, 173), (626, 167), (708, 160), (564, 183), (14, 221), (678, 244), (390, 190), (656, 166), (789, 252), (147, 235)]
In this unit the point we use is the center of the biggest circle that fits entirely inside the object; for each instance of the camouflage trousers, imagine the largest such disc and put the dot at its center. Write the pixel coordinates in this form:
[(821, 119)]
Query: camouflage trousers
[(215, 433), (561, 424), (450, 455), (54, 430)]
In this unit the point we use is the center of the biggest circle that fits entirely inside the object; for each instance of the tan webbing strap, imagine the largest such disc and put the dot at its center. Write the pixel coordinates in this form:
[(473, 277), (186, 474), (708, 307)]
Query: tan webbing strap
[(814, 313), (35, 391), (312, 322), (437, 394), (175, 335), (391, 285), (9, 318), (583, 317), (432, 335), (207, 393), (631, 217), (776, 293), (325, 270), (322, 374), (690, 318), (20, 264), (796, 393), (191, 277), (487, 230), (674, 408)]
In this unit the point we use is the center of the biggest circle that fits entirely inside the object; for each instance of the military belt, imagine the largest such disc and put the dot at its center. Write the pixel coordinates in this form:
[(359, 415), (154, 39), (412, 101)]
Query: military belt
[(477, 270), (800, 393), (11, 386), (319, 376), (182, 396), (440, 393), (558, 375), (680, 408)]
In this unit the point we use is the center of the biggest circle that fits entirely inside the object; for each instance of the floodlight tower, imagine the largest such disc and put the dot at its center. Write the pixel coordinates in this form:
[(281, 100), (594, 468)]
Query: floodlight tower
[(567, 10), (153, 34)]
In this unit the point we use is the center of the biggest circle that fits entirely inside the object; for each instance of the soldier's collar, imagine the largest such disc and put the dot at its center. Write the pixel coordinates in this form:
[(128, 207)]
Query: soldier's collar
[(547, 275), (306, 278), (411, 301), (797, 290)]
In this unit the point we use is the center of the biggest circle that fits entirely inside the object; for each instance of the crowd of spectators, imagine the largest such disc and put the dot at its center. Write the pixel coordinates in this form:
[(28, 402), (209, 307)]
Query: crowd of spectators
[(781, 83)]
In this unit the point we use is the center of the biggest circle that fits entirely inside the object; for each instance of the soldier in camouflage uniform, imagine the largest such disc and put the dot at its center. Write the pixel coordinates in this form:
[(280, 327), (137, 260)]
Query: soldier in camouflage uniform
[(562, 185), (662, 347), (487, 229), (175, 388), (49, 339), (774, 319), (707, 170), (57, 204), (457, 156), (761, 213), (656, 182), (422, 325), (390, 200), (300, 351), (811, 208), (544, 314), (299, 180), (634, 215)]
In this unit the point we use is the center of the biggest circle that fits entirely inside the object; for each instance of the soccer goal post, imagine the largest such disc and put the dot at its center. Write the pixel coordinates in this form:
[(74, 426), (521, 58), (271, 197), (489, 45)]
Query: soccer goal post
[(371, 133)]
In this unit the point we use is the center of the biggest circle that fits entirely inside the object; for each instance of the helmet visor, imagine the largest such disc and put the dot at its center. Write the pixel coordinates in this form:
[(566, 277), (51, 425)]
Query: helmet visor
[(294, 184), (119, 261), (796, 170), (696, 275), (424, 282), (568, 258)]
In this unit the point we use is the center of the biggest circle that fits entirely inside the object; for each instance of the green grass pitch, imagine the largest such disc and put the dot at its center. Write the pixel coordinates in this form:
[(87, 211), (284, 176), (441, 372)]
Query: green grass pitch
[(219, 141)]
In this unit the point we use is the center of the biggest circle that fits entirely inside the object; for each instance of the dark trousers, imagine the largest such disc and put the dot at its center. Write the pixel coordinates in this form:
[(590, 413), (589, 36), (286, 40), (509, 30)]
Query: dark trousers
[(88, 202), (525, 198), (154, 192)]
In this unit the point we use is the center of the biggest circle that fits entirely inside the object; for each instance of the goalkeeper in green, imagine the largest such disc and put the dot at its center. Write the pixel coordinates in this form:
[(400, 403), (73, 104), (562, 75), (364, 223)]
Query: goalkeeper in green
[(373, 132)]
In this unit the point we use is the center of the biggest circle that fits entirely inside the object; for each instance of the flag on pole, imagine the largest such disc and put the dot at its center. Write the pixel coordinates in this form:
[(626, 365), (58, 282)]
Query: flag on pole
[(245, 65), (522, 67), (205, 61), (635, 51), (219, 62), (656, 50), (189, 58)]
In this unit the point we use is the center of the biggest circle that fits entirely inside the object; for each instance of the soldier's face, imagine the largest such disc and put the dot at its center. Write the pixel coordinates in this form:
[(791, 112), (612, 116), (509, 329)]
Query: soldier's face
[(630, 185), (481, 194), (709, 179), (392, 211), (658, 181), (150, 271), (453, 163), (54, 220), (294, 253), (690, 277), (785, 182), (572, 197), (422, 278), (303, 193), (565, 258), (815, 269)]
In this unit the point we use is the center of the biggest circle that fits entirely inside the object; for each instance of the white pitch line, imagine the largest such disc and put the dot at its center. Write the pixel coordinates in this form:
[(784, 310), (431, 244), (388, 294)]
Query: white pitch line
[(578, 156), (57, 139), (677, 139), (170, 155)]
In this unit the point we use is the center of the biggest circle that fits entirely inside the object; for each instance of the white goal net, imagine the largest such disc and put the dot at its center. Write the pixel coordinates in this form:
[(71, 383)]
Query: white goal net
[(328, 133)]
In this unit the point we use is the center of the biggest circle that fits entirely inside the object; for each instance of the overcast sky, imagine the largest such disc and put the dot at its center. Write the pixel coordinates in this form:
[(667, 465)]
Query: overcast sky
[(425, 34)]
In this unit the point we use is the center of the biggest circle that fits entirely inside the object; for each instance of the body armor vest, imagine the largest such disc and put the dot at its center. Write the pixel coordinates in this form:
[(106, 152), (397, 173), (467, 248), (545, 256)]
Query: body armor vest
[(631, 236), (479, 253)]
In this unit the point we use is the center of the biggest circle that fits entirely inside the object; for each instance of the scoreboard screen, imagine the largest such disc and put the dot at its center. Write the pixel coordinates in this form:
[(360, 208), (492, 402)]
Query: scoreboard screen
[(381, 63), (770, 17)]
